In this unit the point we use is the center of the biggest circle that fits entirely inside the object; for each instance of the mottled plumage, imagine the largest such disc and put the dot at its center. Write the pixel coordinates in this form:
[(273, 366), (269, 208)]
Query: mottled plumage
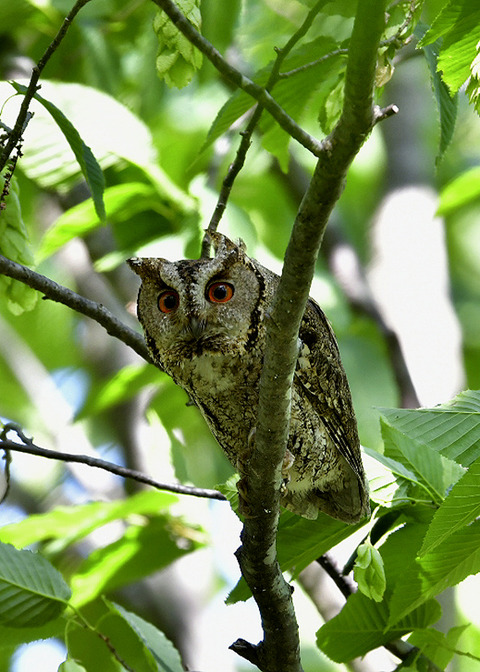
[(204, 323)]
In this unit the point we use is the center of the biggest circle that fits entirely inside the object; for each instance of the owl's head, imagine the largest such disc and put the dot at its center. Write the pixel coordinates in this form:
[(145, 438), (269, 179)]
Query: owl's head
[(196, 306)]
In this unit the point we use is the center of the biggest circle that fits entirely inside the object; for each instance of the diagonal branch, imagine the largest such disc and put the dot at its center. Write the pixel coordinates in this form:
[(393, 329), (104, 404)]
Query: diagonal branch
[(257, 92), (80, 304), (280, 647), (244, 146), (27, 446)]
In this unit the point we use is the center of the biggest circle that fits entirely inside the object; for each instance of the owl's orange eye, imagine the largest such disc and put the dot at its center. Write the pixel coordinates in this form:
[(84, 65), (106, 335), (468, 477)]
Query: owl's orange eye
[(220, 292), (168, 301)]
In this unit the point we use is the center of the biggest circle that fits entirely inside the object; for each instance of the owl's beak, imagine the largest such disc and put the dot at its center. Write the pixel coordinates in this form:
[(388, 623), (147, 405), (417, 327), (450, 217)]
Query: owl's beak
[(197, 327)]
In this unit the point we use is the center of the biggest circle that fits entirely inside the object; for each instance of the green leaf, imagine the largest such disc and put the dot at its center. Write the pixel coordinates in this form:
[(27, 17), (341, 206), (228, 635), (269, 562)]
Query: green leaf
[(177, 59), (369, 572), (71, 666), (460, 508), (67, 524), (461, 191), (446, 104), (89, 649), (362, 623), (11, 637), (121, 202), (32, 591), (459, 25), (434, 472), (164, 653), (438, 646), (452, 429), (450, 562), (15, 245), (360, 627), (142, 550), (88, 164), (123, 385)]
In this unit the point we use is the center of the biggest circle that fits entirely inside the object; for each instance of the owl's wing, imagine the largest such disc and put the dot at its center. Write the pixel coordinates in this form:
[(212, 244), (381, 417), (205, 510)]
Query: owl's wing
[(321, 375)]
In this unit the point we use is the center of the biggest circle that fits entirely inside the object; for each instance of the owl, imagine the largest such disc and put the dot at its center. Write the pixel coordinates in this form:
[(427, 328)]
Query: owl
[(205, 322)]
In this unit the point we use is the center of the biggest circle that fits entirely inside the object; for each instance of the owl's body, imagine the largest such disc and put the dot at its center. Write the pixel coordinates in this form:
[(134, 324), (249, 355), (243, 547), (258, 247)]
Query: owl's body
[(205, 323)]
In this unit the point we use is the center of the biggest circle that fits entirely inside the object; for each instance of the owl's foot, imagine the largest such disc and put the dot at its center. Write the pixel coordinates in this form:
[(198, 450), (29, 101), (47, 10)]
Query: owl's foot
[(287, 464)]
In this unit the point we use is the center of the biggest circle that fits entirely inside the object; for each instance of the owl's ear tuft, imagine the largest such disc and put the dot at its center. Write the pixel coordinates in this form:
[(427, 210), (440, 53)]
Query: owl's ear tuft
[(224, 247), (137, 265), (145, 267)]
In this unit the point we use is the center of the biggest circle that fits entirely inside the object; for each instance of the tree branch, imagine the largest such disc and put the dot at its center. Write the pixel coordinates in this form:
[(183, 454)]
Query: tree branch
[(80, 304), (236, 77), (279, 650), (245, 143), (15, 134), (27, 446)]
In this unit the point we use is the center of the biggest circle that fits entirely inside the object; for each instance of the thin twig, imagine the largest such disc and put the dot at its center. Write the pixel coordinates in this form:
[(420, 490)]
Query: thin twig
[(245, 143), (27, 446), (80, 304), (236, 77), (16, 133)]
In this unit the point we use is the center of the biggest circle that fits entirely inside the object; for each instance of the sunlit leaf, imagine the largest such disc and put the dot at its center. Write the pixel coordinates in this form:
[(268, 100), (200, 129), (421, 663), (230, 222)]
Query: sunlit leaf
[(67, 524), (452, 429), (360, 627), (438, 646), (461, 191), (121, 202), (459, 25), (449, 563), (460, 508), (32, 591), (142, 550), (434, 472), (123, 385), (446, 104), (88, 164), (15, 245)]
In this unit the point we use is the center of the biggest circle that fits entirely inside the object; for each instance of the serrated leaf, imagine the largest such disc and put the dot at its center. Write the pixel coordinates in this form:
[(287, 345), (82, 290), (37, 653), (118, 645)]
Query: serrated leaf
[(362, 623), (32, 591), (446, 104), (459, 25), (164, 653), (434, 472), (438, 646), (452, 429), (449, 563), (360, 627), (460, 508), (89, 166)]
